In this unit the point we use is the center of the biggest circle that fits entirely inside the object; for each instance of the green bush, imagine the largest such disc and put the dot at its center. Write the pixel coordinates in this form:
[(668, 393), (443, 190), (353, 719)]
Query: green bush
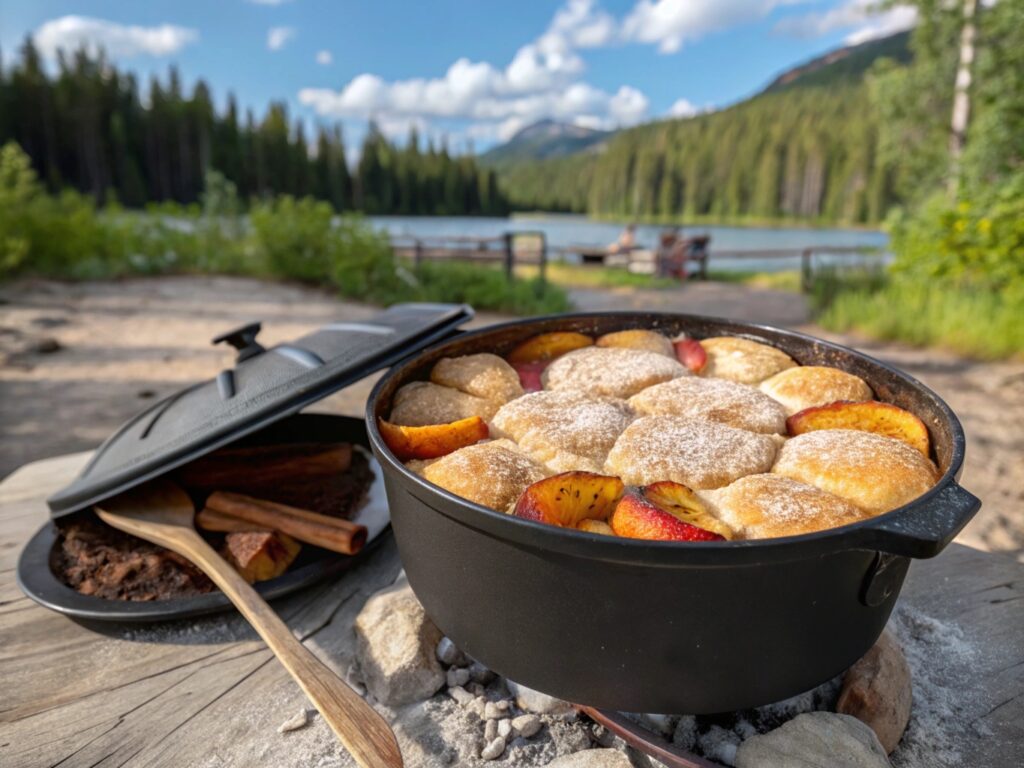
[(977, 243), (287, 238), (39, 232)]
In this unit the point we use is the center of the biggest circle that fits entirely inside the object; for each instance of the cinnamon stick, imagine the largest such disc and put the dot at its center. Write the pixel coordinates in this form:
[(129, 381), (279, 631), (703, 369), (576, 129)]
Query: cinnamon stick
[(212, 520), (330, 533), (253, 467)]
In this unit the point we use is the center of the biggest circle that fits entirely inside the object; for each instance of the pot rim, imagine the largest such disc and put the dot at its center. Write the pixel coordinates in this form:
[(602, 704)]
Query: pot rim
[(899, 531)]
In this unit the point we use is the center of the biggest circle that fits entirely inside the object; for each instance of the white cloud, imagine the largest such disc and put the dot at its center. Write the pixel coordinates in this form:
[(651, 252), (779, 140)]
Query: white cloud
[(543, 80), (324, 58), (671, 23), (279, 37), (582, 25), (118, 40), (866, 20), (682, 108)]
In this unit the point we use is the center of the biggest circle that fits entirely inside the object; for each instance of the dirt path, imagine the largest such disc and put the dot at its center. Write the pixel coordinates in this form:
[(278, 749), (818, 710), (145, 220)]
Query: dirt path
[(115, 346)]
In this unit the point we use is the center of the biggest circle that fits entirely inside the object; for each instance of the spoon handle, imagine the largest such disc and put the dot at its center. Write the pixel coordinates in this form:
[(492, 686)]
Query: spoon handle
[(365, 734)]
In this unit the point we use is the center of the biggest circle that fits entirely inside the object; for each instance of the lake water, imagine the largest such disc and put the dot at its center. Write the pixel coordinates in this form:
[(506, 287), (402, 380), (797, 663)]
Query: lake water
[(564, 230)]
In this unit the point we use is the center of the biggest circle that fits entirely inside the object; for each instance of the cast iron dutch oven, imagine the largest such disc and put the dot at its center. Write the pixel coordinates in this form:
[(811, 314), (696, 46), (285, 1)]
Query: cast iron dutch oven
[(648, 626)]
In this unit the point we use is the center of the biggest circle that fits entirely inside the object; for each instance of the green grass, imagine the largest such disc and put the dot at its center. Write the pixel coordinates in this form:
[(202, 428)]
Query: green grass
[(576, 276), (787, 280), (482, 286), (980, 324)]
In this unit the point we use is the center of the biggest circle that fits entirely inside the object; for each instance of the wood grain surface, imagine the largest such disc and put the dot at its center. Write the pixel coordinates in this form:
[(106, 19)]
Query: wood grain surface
[(206, 692)]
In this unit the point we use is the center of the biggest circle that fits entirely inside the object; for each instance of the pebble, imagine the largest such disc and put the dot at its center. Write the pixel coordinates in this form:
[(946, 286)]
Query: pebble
[(480, 674), (461, 695), (476, 689), (495, 710), (457, 676), (504, 727), (480, 705), (493, 749), (541, 703), (448, 653), (602, 736), (299, 720), (526, 725), (491, 731)]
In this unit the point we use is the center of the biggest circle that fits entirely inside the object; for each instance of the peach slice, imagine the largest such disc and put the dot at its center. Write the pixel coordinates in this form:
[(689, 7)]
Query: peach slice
[(649, 341), (433, 441), (868, 416), (569, 498), (595, 526), (685, 505), (548, 346), (529, 375), (690, 353), (665, 514)]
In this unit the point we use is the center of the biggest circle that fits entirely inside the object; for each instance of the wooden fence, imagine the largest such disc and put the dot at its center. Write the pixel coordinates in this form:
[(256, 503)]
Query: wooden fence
[(530, 247)]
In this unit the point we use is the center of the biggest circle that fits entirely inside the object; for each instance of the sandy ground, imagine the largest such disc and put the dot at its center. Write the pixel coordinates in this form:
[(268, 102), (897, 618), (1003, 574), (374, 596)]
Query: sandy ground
[(78, 359)]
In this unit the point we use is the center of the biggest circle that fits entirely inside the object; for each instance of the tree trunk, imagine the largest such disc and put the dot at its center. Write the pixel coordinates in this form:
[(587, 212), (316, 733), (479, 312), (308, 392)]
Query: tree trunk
[(962, 96)]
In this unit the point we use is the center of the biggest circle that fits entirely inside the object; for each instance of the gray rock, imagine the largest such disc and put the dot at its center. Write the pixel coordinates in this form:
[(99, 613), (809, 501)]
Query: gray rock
[(491, 731), (395, 645), (493, 749), (594, 758), (457, 676), (462, 697), (448, 653), (814, 740), (535, 701), (480, 674), (504, 727), (526, 725), (476, 689)]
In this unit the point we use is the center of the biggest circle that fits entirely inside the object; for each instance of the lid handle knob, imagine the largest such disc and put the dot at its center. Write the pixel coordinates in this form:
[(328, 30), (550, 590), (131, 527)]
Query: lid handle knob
[(244, 340)]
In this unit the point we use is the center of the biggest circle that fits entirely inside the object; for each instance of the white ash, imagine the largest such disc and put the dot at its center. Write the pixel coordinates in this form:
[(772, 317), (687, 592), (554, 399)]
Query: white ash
[(940, 660)]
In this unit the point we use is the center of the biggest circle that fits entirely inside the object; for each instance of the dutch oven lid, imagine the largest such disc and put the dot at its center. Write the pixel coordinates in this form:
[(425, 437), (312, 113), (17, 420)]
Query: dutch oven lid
[(265, 385)]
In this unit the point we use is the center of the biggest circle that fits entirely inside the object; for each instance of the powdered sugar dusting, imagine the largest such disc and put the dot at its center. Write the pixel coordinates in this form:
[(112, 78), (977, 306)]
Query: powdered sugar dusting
[(699, 454), (610, 371), (492, 474), (720, 400), (566, 431), (763, 506), (874, 472)]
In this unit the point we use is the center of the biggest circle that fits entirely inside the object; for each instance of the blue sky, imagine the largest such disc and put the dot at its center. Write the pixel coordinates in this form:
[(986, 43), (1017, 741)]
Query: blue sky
[(474, 71)]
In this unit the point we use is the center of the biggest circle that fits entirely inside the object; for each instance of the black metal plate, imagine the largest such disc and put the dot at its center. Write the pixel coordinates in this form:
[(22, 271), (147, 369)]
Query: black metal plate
[(38, 581)]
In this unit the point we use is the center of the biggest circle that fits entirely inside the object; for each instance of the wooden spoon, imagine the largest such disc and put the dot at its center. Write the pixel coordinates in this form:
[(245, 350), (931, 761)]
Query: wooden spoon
[(161, 512)]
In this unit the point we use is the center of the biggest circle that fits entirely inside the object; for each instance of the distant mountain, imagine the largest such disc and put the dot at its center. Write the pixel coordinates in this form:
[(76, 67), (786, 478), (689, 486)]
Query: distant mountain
[(543, 140), (847, 64), (805, 147)]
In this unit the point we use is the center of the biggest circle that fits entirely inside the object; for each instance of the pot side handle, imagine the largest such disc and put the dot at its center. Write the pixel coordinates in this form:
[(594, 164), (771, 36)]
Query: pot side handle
[(926, 526)]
